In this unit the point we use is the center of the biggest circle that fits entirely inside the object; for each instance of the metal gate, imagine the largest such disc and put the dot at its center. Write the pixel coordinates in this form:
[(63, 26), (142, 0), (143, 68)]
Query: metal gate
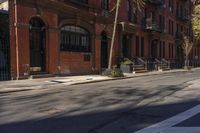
[(4, 48), (4, 57)]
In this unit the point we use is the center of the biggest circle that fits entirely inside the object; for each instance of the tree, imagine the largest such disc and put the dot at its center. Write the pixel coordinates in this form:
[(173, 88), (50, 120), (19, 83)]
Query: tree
[(139, 4), (196, 19), (187, 47)]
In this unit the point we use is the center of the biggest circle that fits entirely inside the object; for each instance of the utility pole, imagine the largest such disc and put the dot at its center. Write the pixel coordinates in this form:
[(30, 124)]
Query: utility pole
[(113, 35)]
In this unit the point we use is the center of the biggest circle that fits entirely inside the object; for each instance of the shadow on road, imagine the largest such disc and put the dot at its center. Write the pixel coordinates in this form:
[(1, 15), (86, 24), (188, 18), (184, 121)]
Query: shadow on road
[(116, 121)]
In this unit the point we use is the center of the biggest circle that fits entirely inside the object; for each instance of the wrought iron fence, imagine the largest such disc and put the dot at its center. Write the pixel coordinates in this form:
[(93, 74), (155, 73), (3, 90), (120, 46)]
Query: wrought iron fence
[(4, 57)]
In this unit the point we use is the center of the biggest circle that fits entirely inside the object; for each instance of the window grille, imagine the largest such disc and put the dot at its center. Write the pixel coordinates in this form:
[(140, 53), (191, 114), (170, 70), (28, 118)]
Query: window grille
[(74, 39)]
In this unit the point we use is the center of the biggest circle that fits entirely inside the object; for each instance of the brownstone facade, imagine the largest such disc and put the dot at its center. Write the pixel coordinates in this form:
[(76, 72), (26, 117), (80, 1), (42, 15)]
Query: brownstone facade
[(149, 33)]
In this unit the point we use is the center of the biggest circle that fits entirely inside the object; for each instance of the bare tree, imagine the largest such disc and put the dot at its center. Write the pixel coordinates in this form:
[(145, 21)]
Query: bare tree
[(187, 47)]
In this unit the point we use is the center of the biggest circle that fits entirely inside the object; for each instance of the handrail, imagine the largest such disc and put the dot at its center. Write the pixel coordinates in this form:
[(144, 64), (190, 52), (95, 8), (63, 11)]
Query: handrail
[(141, 60), (165, 61), (158, 61), (127, 59)]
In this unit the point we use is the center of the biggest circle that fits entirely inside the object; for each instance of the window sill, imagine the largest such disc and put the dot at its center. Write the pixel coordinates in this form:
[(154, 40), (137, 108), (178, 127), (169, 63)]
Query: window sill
[(73, 52)]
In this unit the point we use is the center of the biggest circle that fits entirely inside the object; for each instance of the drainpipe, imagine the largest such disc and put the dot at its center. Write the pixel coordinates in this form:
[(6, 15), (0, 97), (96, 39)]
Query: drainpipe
[(16, 39)]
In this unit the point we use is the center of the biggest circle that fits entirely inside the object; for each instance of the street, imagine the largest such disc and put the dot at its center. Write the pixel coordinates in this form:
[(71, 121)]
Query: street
[(166, 103)]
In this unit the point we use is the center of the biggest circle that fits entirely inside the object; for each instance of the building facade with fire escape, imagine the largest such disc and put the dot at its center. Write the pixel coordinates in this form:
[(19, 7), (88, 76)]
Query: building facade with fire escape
[(74, 36)]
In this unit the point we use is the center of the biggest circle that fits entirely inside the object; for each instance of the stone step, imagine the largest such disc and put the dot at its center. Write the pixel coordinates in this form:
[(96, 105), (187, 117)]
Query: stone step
[(141, 71), (139, 68), (41, 76), (138, 65), (166, 69)]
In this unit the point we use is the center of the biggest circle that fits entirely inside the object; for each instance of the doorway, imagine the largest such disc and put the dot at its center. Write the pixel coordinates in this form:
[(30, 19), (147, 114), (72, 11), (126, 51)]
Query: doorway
[(104, 50), (154, 48), (125, 46), (37, 45)]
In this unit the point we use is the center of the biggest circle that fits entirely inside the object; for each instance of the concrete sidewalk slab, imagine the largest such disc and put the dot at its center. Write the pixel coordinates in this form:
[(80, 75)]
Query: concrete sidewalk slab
[(35, 84)]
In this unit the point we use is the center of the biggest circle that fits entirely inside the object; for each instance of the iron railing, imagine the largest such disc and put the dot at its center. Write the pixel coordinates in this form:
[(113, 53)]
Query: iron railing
[(4, 57)]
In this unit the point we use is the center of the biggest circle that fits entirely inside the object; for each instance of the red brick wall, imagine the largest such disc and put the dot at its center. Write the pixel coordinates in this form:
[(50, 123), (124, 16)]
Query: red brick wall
[(24, 14), (73, 62)]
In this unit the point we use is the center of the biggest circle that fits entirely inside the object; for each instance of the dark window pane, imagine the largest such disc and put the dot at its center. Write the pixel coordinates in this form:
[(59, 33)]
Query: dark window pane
[(75, 39)]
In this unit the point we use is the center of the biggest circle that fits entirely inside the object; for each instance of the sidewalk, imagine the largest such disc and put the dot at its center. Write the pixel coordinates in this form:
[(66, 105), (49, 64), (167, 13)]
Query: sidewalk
[(34, 84)]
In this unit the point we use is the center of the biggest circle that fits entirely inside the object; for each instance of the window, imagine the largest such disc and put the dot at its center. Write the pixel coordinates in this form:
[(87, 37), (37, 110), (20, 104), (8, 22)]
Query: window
[(169, 26), (129, 10), (171, 6), (75, 39), (81, 1), (162, 23), (177, 27), (172, 26), (105, 5), (135, 10)]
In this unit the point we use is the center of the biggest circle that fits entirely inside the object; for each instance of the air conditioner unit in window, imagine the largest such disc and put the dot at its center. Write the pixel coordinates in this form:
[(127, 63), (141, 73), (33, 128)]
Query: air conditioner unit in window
[(105, 13), (170, 9), (164, 6)]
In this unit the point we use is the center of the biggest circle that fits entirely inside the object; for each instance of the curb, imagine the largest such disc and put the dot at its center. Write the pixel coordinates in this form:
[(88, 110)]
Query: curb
[(96, 81), (129, 77), (17, 90)]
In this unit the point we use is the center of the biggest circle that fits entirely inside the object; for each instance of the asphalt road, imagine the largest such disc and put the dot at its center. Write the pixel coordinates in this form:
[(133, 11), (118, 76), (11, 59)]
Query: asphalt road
[(121, 106)]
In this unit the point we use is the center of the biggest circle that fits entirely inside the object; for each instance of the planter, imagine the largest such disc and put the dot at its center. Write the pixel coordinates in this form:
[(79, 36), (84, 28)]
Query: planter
[(126, 68)]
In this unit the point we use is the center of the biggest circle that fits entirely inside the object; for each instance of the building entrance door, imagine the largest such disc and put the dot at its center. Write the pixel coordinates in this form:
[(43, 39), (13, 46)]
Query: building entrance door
[(104, 51), (37, 46), (125, 46), (154, 47)]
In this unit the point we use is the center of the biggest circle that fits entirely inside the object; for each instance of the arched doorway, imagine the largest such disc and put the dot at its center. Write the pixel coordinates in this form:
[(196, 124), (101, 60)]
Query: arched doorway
[(37, 40), (104, 50)]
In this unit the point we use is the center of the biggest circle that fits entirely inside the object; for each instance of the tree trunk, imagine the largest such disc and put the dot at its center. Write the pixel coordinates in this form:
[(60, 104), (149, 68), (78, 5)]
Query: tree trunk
[(113, 35), (186, 62)]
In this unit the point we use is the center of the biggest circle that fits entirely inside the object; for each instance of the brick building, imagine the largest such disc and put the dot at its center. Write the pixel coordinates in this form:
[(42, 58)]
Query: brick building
[(74, 36)]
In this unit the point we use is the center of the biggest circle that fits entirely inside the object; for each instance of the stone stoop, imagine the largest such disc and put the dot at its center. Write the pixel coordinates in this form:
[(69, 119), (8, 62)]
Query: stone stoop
[(140, 69)]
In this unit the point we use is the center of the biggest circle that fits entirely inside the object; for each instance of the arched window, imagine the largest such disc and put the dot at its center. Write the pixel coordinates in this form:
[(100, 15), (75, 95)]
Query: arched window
[(129, 10), (75, 39)]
